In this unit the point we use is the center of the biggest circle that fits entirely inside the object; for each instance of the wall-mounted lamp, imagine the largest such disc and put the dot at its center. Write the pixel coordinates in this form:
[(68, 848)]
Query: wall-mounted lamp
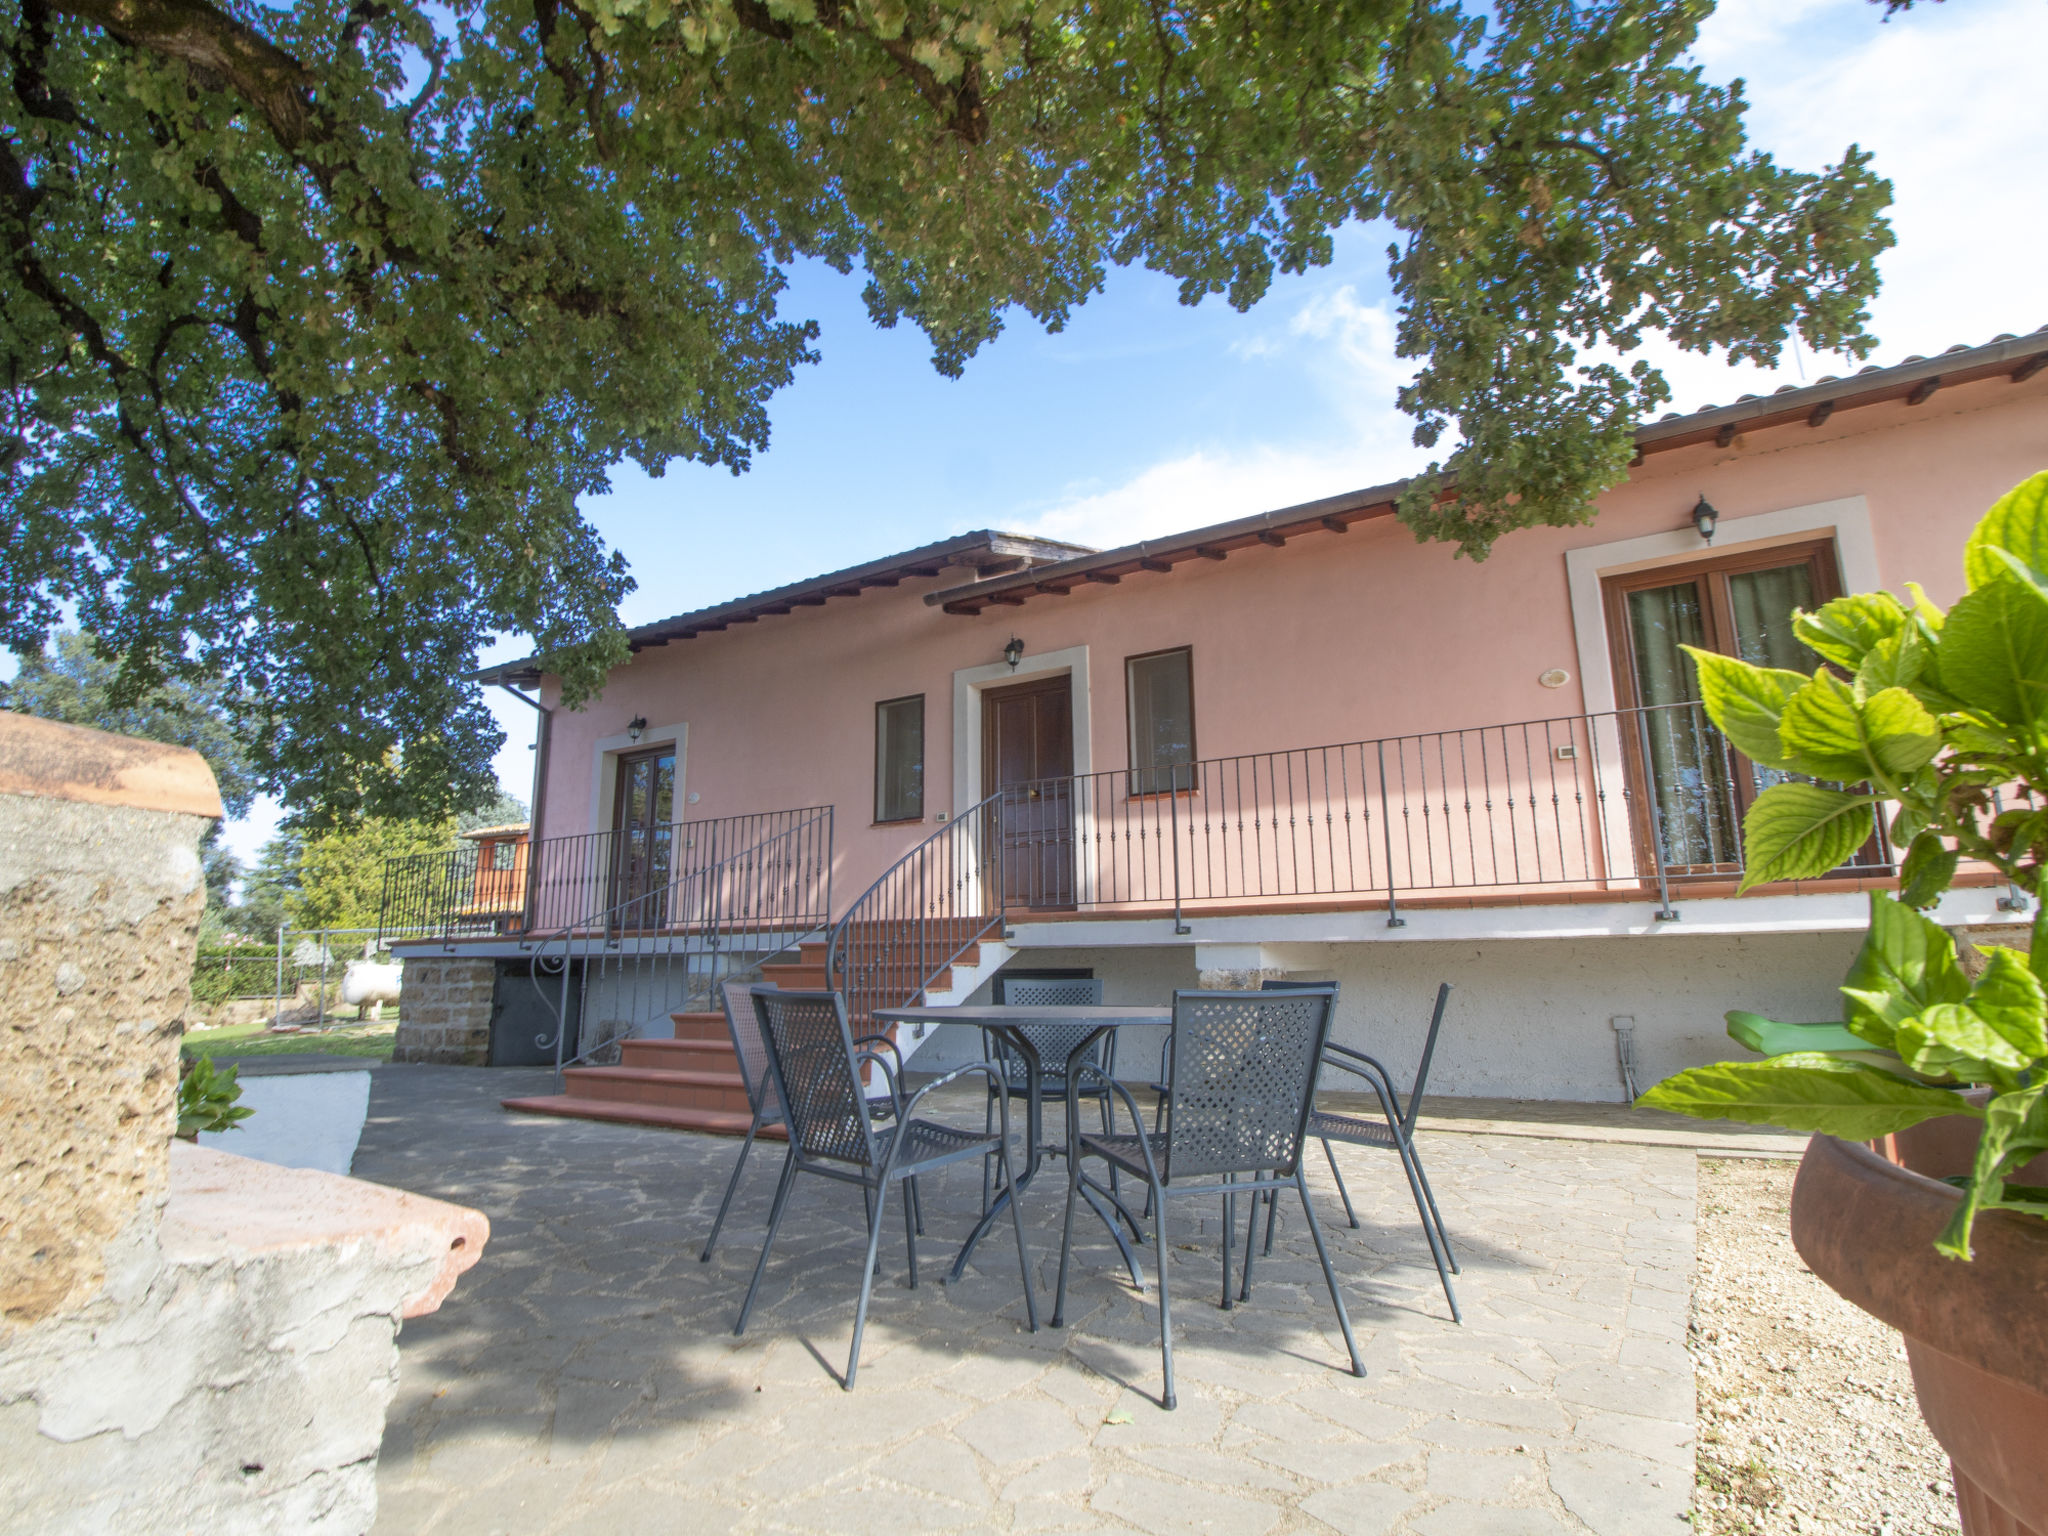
[(1703, 518), (1013, 652), (635, 726)]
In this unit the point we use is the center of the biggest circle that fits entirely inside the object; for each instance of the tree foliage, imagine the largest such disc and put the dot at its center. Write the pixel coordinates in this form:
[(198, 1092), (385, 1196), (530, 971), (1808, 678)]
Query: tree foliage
[(338, 874), (317, 316)]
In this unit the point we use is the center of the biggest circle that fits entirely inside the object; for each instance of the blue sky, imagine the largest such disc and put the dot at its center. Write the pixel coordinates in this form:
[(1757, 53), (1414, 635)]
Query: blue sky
[(1145, 416)]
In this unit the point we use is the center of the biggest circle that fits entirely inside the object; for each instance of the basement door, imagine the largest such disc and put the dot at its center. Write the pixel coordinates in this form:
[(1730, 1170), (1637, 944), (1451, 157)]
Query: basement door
[(1027, 746)]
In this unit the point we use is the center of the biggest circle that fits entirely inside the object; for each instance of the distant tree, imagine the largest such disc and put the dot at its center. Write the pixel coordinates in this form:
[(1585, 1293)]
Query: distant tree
[(317, 318), (504, 811), (270, 886), (340, 870)]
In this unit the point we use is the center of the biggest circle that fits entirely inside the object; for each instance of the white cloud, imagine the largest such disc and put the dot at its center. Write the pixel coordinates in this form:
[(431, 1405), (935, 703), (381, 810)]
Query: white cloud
[(1342, 343)]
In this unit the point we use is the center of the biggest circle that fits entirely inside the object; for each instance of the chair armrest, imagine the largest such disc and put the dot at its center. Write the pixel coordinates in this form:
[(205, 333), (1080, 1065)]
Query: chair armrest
[(1088, 1069), (886, 1043), (888, 1076), (1364, 1066)]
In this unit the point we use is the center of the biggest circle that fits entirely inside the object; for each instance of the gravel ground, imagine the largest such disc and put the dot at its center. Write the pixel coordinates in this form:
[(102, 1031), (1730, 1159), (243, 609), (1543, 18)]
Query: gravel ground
[(1807, 1421)]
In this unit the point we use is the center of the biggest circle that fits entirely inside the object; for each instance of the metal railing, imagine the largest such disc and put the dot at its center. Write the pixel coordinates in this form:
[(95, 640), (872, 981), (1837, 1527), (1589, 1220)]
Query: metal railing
[(667, 948), (927, 910), (561, 882), (1556, 804)]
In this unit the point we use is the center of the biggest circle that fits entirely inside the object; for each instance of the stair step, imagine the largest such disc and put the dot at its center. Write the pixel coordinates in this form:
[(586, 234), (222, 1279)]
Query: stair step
[(681, 1055), (701, 1026), (715, 1122), (649, 1085)]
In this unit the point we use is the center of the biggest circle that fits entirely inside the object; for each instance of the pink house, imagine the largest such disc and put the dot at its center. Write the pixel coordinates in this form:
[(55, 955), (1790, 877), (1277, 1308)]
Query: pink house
[(1298, 743)]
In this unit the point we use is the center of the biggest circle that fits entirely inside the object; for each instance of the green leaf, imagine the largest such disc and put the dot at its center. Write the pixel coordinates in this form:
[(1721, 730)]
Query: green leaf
[(1798, 831), (1897, 661), (1928, 870), (1845, 630), (1994, 652), (2010, 999), (1900, 736), (1953, 1040), (2015, 1131), (2017, 522), (1746, 702), (1805, 1092), (1906, 966), (1821, 732), (1832, 732)]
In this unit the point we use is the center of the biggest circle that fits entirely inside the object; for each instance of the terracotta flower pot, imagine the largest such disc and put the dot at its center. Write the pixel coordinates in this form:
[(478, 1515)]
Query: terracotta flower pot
[(1976, 1334)]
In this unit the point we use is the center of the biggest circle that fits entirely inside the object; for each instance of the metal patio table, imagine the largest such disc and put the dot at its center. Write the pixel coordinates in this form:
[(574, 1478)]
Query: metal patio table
[(1013, 1023)]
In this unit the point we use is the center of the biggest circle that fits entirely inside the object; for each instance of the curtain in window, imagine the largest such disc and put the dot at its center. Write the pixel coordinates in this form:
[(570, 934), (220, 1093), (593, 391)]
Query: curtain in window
[(1162, 694), (1688, 765)]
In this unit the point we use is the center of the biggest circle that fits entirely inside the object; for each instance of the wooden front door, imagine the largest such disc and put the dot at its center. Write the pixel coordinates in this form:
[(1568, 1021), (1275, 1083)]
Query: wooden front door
[(643, 837), (1027, 742)]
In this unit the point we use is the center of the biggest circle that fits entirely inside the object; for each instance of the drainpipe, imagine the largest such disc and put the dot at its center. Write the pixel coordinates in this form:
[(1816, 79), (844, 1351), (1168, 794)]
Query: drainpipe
[(534, 817)]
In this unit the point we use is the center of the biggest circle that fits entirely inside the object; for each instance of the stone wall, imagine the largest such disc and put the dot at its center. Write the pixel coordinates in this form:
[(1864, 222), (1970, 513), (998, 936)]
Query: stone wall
[(99, 913), (189, 1341), (444, 1011)]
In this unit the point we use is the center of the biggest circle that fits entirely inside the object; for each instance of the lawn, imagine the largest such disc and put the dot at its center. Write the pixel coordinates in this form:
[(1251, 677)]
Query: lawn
[(369, 1040)]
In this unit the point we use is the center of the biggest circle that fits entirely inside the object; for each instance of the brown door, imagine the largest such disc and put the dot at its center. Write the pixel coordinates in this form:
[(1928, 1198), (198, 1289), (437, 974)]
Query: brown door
[(643, 837), (1027, 747), (1739, 605)]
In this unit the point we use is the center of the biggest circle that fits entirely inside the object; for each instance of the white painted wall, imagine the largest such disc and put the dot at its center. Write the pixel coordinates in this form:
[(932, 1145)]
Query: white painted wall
[(1528, 1018)]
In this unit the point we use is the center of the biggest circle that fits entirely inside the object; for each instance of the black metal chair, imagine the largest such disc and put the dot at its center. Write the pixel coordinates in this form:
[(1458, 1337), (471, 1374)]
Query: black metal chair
[(817, 1071), (1055, 1042), (1239, 1092), (757, 1076), (1392, 1132)]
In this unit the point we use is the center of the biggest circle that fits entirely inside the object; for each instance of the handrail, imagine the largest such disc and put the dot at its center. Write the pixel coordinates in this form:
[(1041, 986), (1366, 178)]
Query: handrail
[(701, 911), (940, 899)]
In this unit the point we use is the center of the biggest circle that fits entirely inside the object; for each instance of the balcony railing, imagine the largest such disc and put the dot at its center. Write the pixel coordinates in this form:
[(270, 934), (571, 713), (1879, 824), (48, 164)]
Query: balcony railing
[(1556, 805), (566, 881)]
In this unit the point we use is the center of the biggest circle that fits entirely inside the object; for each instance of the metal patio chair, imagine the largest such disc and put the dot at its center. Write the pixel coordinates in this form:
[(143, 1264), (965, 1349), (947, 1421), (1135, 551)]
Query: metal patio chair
[(817, 1072), (1239, 1091), (1392, 1131), (757, 1077), (1055, 1043)]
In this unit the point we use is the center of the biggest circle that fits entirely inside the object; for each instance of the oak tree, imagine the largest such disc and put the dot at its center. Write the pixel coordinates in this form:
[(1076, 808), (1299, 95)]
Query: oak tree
[(318, 316)]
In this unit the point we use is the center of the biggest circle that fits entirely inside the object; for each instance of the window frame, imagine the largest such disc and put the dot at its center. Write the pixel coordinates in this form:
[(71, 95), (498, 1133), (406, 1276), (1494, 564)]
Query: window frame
[(881, 742), (1134, 771)]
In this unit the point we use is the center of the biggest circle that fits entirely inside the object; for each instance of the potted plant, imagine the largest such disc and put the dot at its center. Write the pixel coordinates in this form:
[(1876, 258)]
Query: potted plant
[(1916, 1200)]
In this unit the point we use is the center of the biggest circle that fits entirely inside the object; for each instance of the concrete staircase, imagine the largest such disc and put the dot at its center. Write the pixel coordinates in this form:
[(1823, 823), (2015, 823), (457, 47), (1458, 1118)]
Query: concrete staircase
[(693, 1082)]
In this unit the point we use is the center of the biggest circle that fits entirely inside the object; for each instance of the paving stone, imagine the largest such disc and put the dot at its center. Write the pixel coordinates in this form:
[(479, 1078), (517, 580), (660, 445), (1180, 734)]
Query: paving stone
[(1176, 1509), (1462, 1519), (1359, 1509), (1500, 1477), (590, 1335), (1622, 1495), (938, 1466), (1021, 1429)]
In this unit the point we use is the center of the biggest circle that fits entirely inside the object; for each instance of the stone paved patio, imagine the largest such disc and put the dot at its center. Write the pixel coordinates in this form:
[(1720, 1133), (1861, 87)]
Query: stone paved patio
[(584, 1378)]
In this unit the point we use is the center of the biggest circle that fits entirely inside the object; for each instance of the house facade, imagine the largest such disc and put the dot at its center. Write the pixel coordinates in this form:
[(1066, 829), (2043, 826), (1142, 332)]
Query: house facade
[(1297, 744)]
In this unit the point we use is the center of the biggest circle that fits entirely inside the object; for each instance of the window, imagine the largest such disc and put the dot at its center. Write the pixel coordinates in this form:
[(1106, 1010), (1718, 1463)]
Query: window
[(1740, 605), (1161, 689), (503, 855), (899, 759)]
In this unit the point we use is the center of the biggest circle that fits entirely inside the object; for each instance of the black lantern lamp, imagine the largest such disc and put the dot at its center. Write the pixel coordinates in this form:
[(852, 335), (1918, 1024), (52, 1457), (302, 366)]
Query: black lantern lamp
[(635, 726), (1013, 652), (1703, 518)]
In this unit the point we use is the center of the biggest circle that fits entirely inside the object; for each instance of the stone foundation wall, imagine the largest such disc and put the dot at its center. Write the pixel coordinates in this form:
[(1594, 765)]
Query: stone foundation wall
[(444, 1011)]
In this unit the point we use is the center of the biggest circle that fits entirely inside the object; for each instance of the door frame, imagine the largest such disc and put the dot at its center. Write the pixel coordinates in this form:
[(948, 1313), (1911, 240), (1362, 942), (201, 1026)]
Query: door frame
[(1845, 519), (1717, 632), (605, 753), (968, 686)]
